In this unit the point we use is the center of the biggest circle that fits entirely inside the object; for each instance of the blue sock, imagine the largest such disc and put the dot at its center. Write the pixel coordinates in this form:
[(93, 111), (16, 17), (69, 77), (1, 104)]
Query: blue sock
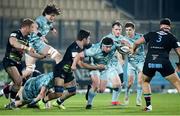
[(115, 94), (139, 92), (91, 96), (127, 92)]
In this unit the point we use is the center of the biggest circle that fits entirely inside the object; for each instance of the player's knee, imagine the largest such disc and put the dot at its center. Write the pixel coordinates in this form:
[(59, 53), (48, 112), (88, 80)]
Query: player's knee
[(18, 82), (116, 89), (130, 82), (101, 90), (31, 68), (54, 53), (146, 79), (116, 85), (72, 90)]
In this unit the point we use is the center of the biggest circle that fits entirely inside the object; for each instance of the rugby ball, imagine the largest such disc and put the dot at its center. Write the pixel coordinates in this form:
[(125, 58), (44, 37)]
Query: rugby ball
[(124, 49)]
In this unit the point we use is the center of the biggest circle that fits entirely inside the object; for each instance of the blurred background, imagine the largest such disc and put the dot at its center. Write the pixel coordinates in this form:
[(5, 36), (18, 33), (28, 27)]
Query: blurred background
[(94, 15)]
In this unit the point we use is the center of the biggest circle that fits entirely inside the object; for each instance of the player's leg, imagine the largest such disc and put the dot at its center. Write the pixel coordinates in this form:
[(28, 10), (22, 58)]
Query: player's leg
[(17, 79), (58, 90), (147, 92), (50, 51), (139, 83), (92, 89), (130, 81), (139, 89), (71, 91), (30, 65), (115, 83), (174, 80)]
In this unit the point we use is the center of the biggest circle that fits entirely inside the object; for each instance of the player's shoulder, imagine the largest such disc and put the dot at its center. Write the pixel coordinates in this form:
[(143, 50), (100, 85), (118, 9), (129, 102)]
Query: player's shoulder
[(15, 33), (73, 47), (40, 19), (138, 34)]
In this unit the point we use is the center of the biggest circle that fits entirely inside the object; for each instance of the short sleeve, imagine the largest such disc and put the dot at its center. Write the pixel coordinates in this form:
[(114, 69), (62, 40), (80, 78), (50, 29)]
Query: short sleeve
[(175, 42), (14, 34), (147, 36)]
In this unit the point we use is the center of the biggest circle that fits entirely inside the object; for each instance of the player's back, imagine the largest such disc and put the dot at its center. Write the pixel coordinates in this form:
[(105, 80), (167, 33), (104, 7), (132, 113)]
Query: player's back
[(160, 43), (34, 84)]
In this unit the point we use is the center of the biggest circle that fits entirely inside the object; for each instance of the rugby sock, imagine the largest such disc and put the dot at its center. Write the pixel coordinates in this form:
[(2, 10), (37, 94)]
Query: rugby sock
[(127, 92), (115, 94), (91, 96), (13, 94), (147, 98), (6, 90), (60, 101), (139, 92)]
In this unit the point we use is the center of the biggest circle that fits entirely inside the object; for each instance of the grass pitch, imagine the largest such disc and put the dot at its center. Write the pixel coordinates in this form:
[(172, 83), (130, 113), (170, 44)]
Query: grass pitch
[(163, 104)]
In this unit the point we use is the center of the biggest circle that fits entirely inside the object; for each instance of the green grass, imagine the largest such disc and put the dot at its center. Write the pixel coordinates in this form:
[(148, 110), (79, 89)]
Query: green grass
[(163, 104)]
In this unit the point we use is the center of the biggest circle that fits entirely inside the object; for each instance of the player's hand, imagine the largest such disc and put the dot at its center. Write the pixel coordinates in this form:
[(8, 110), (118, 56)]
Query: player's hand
[(54, 32), (131, 51), (43, 56), (73, 68), (30, 49), (101, 66), (44, 39)]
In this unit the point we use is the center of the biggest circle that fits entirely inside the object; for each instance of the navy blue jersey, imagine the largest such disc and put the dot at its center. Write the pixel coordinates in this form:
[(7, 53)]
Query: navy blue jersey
[(70, 53), (12, 52), (160, 44)]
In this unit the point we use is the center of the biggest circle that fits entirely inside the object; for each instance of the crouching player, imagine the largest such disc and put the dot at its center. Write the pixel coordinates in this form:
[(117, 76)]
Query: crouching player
[(34, 90)]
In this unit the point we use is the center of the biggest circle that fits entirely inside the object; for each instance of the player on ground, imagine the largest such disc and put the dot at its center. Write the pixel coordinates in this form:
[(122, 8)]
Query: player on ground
[(34, 90)]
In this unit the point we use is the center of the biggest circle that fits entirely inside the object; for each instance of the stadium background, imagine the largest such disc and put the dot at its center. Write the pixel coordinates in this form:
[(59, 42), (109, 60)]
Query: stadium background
[(94, 15)]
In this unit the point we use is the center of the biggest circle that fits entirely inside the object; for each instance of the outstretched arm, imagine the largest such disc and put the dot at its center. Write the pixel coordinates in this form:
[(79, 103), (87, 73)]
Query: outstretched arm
[(76, 60), (14, 42), (91, 67), (137, 43), (36, 55)]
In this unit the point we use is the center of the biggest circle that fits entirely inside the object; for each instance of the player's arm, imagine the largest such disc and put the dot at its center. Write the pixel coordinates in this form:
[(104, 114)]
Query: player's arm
[(14, 42), (36, 55), (91, 67), (76, 60), (177, 49), (137, 43), (40, 96)]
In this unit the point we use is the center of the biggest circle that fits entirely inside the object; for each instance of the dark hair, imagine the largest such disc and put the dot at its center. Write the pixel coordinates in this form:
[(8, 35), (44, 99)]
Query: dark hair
[(51, 9), (130, 24), (165, 21), (83, 34), (27, 22), (116, 23), (107, 41)]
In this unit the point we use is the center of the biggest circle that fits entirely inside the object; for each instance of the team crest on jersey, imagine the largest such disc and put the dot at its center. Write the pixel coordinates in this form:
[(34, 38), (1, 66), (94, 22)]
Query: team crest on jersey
[(13, 34)]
